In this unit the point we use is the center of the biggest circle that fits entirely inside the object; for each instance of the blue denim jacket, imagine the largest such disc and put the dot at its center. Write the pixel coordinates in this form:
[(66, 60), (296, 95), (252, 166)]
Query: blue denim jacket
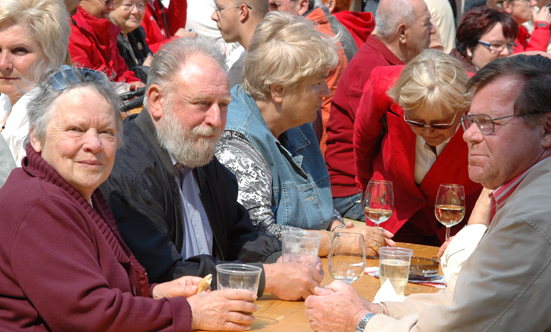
[(301, 190)]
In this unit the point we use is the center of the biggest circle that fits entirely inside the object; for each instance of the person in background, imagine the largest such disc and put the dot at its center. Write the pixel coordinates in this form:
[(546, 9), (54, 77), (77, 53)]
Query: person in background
[(418, 110), (269, 143), (403, 31), (163, 24), (444, 21), (128, 15), (317, 15), (484, 34), (502, 286), (359, 24), (521, 11), (237, 21), (34, 35), (93, 42), (174, 203)]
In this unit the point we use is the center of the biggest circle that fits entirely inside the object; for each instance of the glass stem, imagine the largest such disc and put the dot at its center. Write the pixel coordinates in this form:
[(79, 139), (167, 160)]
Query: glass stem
[(447, 233)]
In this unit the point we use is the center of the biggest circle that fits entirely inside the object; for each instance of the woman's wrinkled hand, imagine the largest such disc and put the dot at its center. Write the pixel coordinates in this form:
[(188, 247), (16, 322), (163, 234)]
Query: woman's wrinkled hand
[(226, 310)]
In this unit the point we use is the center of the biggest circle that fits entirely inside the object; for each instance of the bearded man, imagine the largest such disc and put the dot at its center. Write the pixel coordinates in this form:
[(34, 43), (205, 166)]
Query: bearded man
[(174, 204)]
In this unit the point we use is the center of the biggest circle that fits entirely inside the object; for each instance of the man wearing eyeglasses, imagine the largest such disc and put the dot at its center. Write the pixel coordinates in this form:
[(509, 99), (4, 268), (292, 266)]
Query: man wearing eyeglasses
[(237, 21), (503, 285)]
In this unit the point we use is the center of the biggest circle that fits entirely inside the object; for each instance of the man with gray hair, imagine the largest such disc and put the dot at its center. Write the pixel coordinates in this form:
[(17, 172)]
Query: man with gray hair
[(503, 284), (403, 31), (174, 204)]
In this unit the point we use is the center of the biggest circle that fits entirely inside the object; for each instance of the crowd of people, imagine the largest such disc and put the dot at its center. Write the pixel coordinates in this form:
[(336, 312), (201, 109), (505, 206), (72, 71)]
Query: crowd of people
[(270, 116)]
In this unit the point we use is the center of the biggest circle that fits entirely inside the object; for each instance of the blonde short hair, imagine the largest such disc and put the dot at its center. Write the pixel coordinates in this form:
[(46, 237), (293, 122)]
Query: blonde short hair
[(432, 84), (46, 20), (285, 50)]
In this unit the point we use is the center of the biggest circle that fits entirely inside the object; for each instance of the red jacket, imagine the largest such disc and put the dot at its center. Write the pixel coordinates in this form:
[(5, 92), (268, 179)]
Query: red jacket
[(339, 155), (93, 44), (321, 23), (156, 19), (537, 41), (391, 156), (359, 24)]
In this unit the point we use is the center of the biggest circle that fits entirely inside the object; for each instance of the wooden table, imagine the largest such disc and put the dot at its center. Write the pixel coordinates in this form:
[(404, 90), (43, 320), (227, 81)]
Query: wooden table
[(285, 316)]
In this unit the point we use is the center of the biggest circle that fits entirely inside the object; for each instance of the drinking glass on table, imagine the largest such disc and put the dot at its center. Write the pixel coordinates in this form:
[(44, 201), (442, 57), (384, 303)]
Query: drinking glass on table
[(301, 247), (394, 266), (379, 201), (450, 205), (347, 257)]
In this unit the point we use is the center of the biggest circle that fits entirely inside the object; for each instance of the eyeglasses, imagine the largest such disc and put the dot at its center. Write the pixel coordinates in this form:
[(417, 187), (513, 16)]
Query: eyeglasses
[(127, 7), (484, 122), (440, 126), (498, 48), (219, 10), (276, 5), (67, 77)]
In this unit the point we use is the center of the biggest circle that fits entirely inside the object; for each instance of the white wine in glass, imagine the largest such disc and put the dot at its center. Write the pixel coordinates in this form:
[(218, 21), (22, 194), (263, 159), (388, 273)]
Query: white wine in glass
[(346, 260), (379, 201), (450, 205)]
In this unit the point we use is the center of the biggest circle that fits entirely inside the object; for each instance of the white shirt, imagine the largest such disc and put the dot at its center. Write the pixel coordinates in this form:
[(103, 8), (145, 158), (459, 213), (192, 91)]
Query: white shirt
[(17, 125), (425, 157), (197, 232)]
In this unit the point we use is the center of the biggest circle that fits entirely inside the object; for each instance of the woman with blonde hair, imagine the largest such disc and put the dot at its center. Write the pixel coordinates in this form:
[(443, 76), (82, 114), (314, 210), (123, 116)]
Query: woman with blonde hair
[(34, 35), (407, 131), (269, 143)]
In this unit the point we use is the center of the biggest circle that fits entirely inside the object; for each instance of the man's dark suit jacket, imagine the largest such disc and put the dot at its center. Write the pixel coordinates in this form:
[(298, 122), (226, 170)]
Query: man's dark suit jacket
[(145, 200)]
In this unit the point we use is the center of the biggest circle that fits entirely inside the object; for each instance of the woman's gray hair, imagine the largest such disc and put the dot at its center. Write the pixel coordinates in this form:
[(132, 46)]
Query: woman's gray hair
[(173, 56), (40, 107), (286, 50), (47, 22), (391, 13)]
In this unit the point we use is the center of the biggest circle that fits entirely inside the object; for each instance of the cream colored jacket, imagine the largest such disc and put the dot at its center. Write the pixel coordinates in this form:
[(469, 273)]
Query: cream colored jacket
[(505, 285)]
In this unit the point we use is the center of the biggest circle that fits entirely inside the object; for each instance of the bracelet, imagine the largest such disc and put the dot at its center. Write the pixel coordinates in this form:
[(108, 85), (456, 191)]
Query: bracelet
[(363, 322), (382, 308), (330, 238), (338, 226)]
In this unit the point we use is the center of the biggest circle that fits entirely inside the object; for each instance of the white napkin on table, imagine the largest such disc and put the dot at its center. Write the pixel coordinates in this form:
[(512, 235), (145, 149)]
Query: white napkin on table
[(386, 293)]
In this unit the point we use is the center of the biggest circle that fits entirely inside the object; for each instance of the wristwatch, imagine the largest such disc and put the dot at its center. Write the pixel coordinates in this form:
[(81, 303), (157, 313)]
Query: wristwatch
[(542, 25), (363, 322)]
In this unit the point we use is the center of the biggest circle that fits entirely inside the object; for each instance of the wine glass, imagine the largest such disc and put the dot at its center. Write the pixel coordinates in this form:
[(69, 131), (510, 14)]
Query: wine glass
[(347, 257), (379, 201), (450, 205)]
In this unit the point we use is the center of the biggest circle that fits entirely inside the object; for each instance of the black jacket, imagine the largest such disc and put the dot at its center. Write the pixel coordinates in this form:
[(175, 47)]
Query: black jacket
[(134, 51), (146, 203)]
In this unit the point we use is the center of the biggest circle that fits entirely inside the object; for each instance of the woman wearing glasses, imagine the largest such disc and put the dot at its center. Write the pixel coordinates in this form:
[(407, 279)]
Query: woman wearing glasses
[(522, 11), (484, 34), (410, 135), (93, 42), (128, 15)]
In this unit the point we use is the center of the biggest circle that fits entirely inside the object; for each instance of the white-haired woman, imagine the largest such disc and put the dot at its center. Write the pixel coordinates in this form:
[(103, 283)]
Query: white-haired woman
[(411, 136), (34, 35), (269, 143)]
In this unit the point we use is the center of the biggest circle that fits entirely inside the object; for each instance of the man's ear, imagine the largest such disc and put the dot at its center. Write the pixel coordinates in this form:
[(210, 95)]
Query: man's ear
[(277, 91), (401, 32), (35, 143), (303, 7), (546, 138), (156, 100), (244, 13), (507, 7), (331, 4)]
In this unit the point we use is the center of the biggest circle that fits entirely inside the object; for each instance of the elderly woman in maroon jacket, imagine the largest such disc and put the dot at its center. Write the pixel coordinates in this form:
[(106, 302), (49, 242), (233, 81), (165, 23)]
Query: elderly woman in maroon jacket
[(63, 264), (412, 137)]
